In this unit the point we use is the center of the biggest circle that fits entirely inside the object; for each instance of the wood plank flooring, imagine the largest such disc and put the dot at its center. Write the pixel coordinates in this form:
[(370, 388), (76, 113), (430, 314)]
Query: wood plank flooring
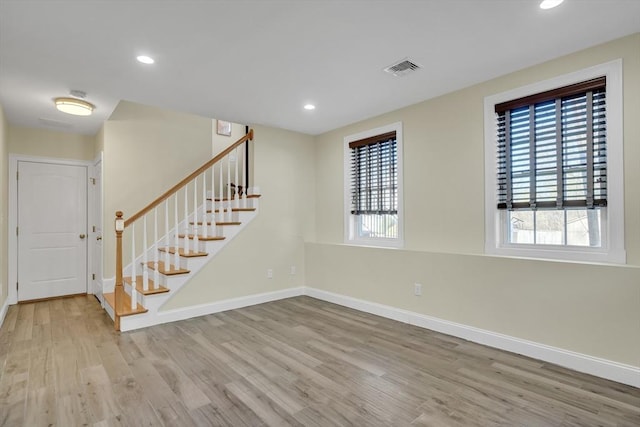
[(299, 361)]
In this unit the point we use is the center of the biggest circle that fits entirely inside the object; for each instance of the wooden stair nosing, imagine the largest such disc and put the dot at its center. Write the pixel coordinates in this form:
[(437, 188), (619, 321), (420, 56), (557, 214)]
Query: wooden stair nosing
[(202, 238), (190, 254), (249, 196), (110, 298), (153, 289), (233, 210), (219, 223), (169, 272)]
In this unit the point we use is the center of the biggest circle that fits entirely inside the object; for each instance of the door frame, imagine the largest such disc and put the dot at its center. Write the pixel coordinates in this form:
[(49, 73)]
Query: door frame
[(12, 297), (95, 216)]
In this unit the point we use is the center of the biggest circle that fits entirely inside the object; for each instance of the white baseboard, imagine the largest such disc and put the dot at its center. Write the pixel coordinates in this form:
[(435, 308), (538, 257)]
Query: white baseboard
[(140, 321), (3, 311), (625, 374)]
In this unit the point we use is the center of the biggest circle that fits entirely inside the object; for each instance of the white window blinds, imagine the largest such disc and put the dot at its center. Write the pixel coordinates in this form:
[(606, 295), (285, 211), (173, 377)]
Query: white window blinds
[(552, 148)]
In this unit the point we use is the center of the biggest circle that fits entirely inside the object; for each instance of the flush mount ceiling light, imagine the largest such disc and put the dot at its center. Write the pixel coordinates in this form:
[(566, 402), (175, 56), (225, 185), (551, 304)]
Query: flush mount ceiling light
[(74, 106), (550, 4), (309, 107), (145, 59)]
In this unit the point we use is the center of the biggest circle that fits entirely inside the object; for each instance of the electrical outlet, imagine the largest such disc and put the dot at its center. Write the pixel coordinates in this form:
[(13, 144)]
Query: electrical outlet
[(293, 270), (417, 289), (269, 274)]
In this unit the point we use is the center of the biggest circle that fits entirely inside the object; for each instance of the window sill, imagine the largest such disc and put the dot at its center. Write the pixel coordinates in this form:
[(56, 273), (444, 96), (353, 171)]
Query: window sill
[(554, 253), (377, 243)]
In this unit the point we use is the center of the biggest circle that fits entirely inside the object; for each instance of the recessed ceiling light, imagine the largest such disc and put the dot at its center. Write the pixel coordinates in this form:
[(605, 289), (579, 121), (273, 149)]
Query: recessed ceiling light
[(550, 4), (74, 106), (309, 107), (145, 59)]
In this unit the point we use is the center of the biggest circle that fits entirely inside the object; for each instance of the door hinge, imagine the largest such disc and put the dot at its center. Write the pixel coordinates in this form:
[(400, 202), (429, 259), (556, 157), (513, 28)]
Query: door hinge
[(17, 174), (93, 276), (94, 228), (93, 181), (17, 286), (16, 231)]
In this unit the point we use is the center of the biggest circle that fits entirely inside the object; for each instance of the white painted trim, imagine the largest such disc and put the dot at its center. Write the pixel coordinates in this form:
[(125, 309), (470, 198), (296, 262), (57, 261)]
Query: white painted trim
[(92, 213), (12, 260), (348, 218), (619, 372), (614, 249), (136, 322), (3, 311)]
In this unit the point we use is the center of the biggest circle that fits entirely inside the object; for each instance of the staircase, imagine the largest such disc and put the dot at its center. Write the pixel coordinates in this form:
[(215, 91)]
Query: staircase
[(205, 212)]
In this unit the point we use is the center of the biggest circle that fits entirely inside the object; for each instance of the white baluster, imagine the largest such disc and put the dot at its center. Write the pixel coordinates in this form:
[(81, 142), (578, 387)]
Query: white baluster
[(176, 255), (228, 188), (195, 214), (156, 275), (221, 195), (204, 205), (186, 220), (167, 240), (134, 294), (244, 175), (145, 267), (236, 200)]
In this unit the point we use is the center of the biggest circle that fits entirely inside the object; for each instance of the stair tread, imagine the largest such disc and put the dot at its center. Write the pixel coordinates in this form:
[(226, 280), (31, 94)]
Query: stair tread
[(248, 196), (202, 238), (219, 223), (234, 210), (153, 289), (110, 298), (181, 252), (170, 272)]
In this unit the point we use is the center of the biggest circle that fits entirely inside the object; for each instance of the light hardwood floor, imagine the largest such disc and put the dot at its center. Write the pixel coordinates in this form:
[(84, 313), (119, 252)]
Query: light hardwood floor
[(298, 361)]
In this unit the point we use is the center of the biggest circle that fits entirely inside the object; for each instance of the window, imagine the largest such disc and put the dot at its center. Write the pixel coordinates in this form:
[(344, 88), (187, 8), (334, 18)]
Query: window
[(373, 187), (557, 169)]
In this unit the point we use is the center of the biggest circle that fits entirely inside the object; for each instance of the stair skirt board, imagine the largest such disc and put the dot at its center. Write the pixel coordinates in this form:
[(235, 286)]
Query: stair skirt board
[(130, 323), (153, 301)]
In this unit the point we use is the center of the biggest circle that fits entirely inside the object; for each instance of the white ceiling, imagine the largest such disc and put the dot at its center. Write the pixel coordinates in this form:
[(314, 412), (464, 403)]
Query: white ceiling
[(259, 62)]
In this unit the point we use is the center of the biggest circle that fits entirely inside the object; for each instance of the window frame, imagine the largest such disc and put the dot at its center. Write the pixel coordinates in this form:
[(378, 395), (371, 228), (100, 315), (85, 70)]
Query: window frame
[(612, 250), (350, 234)]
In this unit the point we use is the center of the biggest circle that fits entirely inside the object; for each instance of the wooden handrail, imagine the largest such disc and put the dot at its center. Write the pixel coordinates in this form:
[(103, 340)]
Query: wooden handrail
[(185, 181)]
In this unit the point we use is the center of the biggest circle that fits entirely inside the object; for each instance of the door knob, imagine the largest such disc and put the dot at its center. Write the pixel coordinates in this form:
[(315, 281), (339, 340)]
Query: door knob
[(99, 238), (82, 236)]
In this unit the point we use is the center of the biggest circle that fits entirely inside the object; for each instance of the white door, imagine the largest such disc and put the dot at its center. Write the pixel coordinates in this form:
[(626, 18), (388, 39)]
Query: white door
[(52, 230), (96, 231)]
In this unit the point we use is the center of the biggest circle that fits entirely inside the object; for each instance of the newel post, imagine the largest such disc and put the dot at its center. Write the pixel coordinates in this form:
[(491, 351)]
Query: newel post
[(119, 290)]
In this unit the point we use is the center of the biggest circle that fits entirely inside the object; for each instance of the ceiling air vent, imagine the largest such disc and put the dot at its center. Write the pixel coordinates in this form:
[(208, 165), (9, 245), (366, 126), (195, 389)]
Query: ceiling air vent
[(402, 68)]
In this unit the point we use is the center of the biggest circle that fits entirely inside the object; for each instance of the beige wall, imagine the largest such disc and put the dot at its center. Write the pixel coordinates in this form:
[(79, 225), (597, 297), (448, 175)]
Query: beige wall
[(220, 142), (586, 308), (147, 150), (50, 143), (275, 239), (4, 207), (98, 145)]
